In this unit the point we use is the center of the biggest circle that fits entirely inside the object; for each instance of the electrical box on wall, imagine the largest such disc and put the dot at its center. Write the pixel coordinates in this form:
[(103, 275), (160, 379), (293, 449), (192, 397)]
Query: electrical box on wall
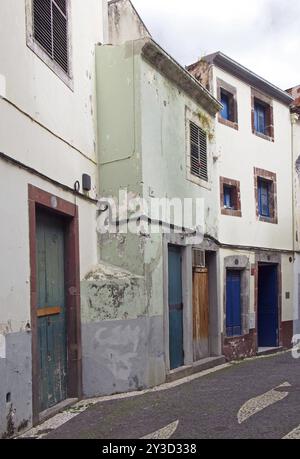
[(86, 182)]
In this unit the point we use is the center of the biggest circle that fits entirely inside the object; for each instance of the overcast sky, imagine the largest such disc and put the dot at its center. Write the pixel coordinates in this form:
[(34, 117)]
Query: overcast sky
[(263, 35)]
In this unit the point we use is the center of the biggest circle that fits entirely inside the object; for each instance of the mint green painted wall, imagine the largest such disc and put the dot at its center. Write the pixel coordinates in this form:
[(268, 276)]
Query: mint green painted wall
[(118, 100), (164, 144)]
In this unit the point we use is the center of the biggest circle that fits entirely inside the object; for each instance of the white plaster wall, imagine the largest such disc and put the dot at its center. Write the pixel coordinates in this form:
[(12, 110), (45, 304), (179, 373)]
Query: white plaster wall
[(14, 243), (37, 90), (240, 151)]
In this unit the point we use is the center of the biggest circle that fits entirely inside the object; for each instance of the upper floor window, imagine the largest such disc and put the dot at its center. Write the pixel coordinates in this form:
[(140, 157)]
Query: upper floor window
[(264, 191), (266, 195), (230, 196), (262, 116), (48, 34), (198, 150), (227, 97)]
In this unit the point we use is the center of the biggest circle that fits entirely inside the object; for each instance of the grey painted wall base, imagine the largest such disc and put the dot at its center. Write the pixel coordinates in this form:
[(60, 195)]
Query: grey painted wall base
[(15, 385), (122, 355)]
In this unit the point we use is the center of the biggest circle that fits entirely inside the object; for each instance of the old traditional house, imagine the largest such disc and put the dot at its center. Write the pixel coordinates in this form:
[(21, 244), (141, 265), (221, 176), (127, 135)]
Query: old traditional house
[(255, 209), (49, 179), (96, 300)]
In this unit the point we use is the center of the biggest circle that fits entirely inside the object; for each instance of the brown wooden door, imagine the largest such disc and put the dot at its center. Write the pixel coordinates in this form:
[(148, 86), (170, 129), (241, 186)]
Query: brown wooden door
[(200, 313)]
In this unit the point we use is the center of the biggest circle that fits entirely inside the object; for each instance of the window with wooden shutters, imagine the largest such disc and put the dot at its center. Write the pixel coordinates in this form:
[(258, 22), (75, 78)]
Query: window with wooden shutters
[(198, 145), (50, 29), (48, 34)]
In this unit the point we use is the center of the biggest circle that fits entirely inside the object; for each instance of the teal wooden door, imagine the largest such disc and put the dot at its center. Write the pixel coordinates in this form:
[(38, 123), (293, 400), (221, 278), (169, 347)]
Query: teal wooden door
[(51, 313), (175, 309)]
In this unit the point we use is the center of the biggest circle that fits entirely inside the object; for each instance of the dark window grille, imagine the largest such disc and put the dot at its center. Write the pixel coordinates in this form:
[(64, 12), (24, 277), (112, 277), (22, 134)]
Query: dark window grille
[(50, 30)]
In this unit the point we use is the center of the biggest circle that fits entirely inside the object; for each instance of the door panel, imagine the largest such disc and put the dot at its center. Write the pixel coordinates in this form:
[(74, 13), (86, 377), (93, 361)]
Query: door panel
[(200, 314), (175, 309), (52, 336), (233, 303), (267, 306)]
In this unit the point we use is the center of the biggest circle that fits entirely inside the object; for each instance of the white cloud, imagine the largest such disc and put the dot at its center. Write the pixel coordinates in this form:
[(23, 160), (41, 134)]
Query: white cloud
[(263, 35)]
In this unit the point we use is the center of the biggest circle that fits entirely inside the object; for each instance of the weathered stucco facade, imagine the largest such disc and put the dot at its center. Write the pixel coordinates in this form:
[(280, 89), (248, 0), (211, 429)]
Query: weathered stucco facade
[(244, 154), (124, 115), (47, 140)]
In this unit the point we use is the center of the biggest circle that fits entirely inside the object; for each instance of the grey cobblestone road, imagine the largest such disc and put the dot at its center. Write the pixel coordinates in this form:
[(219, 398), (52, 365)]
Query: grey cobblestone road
[(207, 407)]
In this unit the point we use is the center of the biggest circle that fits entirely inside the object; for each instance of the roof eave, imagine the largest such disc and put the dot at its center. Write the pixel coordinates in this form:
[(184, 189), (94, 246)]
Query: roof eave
[(241, 72), (161, 60)]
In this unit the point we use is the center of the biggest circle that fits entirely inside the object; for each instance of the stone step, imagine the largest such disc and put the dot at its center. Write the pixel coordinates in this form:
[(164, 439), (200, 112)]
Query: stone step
[(197, 367)]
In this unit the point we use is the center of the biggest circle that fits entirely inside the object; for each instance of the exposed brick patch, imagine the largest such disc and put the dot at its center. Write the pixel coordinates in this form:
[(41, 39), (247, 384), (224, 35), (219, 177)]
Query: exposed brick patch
[(240, 347), (287, 334), (235, 184), (268, 103), (271, 176)]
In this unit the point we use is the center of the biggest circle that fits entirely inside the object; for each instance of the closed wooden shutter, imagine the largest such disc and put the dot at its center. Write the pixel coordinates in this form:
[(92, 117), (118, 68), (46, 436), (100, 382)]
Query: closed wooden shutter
[(50, 29), (198, 141)]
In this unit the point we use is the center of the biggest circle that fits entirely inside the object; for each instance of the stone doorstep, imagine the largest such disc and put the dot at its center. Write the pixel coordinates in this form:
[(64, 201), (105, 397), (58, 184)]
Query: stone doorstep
[(197, 367), (269, 350), (49, 413)]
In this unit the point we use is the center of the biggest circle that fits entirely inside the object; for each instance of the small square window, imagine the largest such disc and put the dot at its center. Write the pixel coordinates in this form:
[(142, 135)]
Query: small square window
[(230, 197), (225, 113), (48, 35), (227, 95), (264, 193), (262, 115), (260, 118)]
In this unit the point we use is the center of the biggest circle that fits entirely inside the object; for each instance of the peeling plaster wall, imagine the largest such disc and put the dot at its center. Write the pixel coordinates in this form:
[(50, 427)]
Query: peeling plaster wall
[(124, 22), (166, 150), (142, 134)]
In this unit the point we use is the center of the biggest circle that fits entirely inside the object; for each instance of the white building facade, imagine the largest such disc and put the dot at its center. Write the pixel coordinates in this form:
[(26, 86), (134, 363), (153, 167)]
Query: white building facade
[(48, 210), (255, 231)]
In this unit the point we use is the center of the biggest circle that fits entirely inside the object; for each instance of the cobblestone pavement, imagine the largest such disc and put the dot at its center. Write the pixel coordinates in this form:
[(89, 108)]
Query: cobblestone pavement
[(258, 398)]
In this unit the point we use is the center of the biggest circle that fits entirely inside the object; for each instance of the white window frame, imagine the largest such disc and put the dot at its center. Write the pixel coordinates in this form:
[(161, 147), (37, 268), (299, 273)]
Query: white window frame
[(67, 78)]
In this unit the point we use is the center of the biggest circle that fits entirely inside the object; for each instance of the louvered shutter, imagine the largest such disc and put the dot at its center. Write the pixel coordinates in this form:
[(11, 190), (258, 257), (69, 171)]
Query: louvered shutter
[(50, 29), (198, 141)]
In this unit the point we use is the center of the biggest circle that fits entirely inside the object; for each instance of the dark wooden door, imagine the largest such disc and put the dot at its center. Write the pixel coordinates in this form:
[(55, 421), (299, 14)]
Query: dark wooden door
[(200, 314), (51, 314), (175, 309), (233, 303), (267, 306)]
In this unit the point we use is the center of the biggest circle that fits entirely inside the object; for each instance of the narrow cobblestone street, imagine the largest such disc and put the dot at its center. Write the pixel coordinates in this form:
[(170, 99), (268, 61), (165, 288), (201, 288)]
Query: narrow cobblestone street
[(229, 403)]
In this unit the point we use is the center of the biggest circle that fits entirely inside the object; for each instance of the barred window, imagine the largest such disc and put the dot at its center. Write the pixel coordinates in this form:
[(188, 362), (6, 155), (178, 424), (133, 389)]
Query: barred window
[(198, 142), (50, 30)]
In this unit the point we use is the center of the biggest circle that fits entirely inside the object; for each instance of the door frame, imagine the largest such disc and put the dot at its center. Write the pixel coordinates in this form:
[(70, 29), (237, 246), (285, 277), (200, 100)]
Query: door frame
[(277, 266), (39, 199)]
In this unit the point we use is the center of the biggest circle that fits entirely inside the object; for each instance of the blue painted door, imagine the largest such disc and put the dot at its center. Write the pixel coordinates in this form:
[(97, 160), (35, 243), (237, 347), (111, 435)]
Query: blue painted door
[(267, 306), (51, 314), (233, 303), (175, 309)]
